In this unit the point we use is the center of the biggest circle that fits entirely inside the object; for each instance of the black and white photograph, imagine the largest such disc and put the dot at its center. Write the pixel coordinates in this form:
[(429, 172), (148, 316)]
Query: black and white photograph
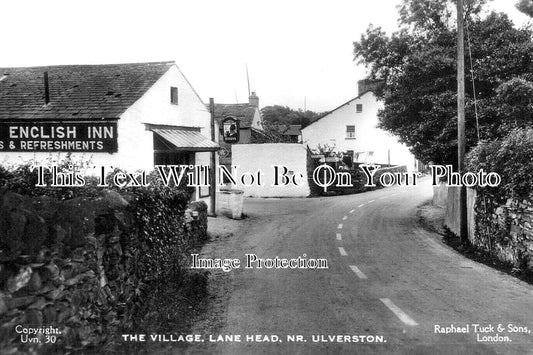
[(266, 177)]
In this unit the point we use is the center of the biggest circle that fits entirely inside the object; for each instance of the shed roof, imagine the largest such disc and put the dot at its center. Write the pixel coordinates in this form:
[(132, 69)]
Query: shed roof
[(292, 130), (185, 138)]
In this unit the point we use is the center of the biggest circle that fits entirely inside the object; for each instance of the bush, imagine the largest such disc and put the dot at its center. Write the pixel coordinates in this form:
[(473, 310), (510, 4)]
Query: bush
[(115, 258), (23, 178), (158, 213), (510, 157)]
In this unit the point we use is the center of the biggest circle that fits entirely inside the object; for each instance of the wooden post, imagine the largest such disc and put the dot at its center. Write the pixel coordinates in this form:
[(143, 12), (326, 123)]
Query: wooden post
[(213, 174), (461, 139)]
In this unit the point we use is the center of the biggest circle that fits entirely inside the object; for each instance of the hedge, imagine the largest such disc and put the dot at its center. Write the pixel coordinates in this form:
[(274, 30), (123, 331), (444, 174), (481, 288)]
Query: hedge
[(92, 262), (510, 157)]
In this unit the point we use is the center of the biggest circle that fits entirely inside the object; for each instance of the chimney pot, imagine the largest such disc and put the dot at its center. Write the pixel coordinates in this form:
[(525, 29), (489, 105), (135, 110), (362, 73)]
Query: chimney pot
[(253, 99), (46, 89)]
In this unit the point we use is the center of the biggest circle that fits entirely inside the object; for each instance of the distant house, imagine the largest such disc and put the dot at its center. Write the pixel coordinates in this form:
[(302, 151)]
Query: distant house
[(131, 116), (250, 123), (352, 129), (291, 133)]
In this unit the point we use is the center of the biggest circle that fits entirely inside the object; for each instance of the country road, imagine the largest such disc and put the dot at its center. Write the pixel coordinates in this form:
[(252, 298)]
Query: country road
[(390, 283)]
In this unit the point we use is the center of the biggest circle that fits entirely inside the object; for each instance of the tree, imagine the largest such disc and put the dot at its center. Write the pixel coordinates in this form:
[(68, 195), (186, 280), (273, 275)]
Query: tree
[(418, 65), (525, 6), (284, 115), (276, 120), (271, 133)]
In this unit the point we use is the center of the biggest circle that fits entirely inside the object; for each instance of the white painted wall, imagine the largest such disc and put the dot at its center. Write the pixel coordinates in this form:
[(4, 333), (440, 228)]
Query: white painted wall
[(257, 121), (254, 157), (135, 143), (155, 107), (331, 130)]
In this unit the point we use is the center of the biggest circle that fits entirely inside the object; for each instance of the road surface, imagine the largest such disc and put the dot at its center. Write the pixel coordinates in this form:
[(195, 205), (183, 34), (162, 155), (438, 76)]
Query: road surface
[(390, 283)]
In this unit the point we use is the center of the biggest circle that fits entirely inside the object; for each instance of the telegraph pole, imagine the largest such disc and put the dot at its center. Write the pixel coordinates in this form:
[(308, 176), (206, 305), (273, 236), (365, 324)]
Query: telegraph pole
[(461, 140), (213, 172)]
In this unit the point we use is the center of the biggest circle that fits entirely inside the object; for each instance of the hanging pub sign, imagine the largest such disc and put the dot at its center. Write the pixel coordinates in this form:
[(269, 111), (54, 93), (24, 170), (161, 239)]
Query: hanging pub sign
[(58, 137), (230, 129)]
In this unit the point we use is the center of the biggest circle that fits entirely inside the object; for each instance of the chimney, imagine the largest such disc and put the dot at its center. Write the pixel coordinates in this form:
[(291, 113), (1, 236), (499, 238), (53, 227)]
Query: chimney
[(253, 99), (367, 85), (46, 89)]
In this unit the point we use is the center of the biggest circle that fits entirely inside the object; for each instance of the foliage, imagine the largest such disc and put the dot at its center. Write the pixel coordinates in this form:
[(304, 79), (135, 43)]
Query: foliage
[(513, 104), (326, 150), (425, 15), (284, 115), (502, 214), (23, 178), (510, 157), (418, 64), (104, 263), (271, 133), (158, 211), (276, 120), (525, 6)]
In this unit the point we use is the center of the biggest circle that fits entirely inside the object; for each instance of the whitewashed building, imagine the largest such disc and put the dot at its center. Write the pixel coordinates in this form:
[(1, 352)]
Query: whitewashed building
[(352, 129), (129, 116)]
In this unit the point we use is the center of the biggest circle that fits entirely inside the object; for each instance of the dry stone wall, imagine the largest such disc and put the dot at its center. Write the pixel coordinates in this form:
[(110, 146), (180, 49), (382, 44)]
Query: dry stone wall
[(84, 265), (505, 230)]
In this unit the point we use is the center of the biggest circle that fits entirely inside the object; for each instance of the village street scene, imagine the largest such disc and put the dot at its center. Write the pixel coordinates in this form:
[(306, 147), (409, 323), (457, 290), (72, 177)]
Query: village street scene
[(285, 178)]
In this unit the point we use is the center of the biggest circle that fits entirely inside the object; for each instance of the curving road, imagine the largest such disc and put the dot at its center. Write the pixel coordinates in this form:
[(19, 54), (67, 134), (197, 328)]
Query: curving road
[(390, 283)]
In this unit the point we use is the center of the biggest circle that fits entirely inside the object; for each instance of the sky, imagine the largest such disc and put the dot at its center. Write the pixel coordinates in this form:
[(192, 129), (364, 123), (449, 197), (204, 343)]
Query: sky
[(298, 53)]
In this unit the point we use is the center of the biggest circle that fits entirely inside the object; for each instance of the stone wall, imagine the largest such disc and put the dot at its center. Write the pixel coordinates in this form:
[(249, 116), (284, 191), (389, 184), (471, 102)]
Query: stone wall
[(505, 230), (80, 266)]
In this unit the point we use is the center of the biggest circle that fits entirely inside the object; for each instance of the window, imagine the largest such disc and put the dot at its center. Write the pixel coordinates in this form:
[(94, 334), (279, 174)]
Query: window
[(174, 95), (359, 108), (350, 131)]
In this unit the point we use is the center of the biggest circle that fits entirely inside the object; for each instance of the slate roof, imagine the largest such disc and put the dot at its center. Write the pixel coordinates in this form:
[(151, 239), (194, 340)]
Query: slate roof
[(292, 130), (243, 112), (77, 92)]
